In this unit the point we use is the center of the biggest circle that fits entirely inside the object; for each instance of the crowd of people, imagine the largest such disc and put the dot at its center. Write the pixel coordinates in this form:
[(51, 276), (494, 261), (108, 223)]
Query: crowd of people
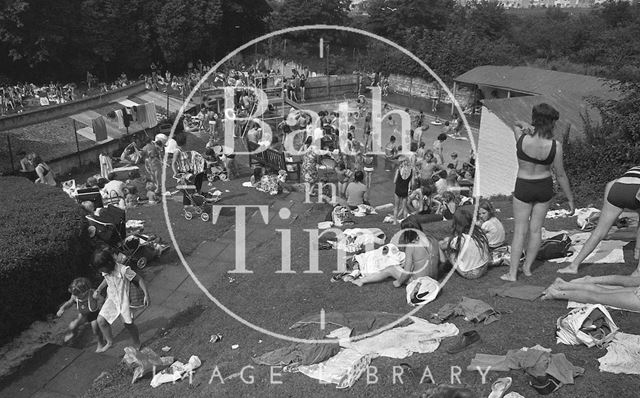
[(472, 250), (429, 186)]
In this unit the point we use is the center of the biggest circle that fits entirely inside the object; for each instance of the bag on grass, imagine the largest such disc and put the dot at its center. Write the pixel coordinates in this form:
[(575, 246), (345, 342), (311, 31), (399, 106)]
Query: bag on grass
[(555, 247), (144, 361), (587, 219), (574, 328)]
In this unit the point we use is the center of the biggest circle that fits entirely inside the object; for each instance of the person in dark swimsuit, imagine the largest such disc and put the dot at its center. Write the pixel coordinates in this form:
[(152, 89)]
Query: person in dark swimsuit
[(620, 194), (537, 153), (402, 180)]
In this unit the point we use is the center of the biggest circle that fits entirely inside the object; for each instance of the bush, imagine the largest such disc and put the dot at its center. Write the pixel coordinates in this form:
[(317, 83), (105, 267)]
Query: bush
[(589, 167), (43, 247)]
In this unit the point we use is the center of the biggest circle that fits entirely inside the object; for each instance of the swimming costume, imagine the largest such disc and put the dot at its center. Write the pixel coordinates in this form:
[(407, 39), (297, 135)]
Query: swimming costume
[(633, 172), (523, 156), (534, 191), (623, 195), (402, 185)]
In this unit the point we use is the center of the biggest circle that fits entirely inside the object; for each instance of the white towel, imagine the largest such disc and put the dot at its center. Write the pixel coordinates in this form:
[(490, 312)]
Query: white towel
[(347, 366), (374, 261), (623, 355)]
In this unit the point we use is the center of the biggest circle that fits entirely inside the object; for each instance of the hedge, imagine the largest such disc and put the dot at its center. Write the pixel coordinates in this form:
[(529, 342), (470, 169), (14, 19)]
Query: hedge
[(589, 167), (43, 247)]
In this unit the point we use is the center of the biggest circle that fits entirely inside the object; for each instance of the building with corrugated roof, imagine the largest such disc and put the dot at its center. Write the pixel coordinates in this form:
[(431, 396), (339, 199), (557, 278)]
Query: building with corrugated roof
[(509, 93)]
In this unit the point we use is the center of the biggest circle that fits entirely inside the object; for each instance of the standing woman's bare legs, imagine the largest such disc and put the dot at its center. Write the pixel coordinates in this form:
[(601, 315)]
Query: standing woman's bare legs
[(397, 201), (521, 214), (538, 215)]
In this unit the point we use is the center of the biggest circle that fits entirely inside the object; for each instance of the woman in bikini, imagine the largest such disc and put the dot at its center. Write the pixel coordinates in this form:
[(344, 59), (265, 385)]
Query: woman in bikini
[(537, 153)]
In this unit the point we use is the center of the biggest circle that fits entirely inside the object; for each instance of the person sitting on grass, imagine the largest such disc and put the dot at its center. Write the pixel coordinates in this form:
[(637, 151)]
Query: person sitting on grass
[(619, 291), (88, 307), (468, 248), (420, 200), (422, 257), (490, 225), (356, 192), (117, 279)]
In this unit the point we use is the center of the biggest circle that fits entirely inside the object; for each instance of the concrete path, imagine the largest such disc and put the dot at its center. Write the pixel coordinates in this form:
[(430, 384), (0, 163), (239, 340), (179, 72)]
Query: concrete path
[(61, 371)]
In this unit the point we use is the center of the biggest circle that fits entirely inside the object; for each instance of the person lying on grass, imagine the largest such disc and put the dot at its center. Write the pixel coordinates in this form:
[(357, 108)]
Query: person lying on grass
[(620, 194), (422, 257), (619, 291)]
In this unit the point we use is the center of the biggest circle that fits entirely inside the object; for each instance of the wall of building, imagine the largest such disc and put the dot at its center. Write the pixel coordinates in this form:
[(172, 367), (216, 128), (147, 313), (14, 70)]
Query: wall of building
[(497, 165), (419, 87)]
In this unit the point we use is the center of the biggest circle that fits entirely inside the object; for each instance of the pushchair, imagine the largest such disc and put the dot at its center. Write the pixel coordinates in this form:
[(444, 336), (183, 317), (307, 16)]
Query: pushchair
[(199, 205), (136, 249)]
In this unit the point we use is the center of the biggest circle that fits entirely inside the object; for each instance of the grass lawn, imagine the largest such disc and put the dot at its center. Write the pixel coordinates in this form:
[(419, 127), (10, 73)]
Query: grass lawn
[(275, 301)]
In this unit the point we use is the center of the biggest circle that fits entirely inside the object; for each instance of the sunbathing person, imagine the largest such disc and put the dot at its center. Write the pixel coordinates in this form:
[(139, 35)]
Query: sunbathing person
[(619, 291), (619, 194), (422, 257)]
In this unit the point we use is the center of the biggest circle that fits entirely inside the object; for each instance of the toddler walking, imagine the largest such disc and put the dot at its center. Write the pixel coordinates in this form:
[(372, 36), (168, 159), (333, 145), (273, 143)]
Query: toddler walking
[(87, 305)]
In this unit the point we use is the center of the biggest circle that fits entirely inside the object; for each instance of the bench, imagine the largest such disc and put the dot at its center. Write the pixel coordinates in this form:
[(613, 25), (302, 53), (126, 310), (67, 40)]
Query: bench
[(273, 160)]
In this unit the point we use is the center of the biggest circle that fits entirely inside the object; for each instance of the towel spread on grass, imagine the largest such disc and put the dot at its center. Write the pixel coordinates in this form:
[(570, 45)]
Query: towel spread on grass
[(565, 212), (523, 292), (623, 355), (347, 366), (607, 251)]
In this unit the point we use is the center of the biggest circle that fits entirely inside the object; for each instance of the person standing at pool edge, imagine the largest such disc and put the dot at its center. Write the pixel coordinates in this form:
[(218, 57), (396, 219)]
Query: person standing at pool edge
[(537, 152)]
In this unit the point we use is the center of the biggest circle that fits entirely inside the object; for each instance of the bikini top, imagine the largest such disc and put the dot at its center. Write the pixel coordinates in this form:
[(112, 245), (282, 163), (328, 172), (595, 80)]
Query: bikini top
[(633, 172), (523, 156)]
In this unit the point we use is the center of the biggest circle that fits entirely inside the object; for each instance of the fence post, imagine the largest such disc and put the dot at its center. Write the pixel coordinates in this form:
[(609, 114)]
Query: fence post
[(410, 86), (13, 169), (75, 132)]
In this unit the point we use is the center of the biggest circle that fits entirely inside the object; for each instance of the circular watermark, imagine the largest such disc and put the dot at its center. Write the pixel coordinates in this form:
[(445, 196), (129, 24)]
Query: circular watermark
[(285, 213)]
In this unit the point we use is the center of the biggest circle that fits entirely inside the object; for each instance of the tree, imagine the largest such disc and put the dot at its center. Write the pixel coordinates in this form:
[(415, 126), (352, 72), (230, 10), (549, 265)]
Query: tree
[(390, 18), (243, 20), (184, 28), (38, 36), (448, 53), (118, 36), (488, 19), (304, 12)]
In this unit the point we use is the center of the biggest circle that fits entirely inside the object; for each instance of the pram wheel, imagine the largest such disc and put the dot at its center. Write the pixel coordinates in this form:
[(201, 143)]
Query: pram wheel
[(142, 262), (188, 215), (198, 210), (204, 216)]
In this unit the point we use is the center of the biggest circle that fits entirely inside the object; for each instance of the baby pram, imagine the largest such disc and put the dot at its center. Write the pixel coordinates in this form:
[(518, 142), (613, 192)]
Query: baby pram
[(137, 249), (198, 204)]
